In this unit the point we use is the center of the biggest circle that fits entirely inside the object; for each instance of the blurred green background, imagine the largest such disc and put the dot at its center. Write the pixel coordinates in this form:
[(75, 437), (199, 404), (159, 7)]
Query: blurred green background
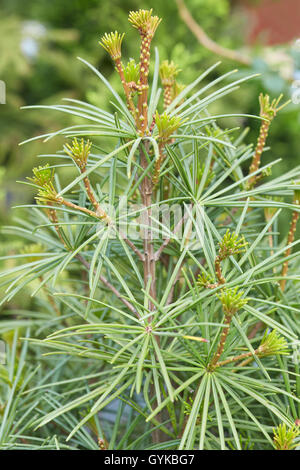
[(40, 44)]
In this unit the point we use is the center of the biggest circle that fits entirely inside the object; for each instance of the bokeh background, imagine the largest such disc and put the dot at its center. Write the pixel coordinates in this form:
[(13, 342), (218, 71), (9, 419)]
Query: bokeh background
[(40, 42)]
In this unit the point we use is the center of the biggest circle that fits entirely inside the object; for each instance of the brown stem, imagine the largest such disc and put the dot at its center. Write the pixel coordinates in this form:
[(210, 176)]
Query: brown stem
[(248, 357), (205, 40), (100, 213), (212, 286), (291, 237), (133, 247)]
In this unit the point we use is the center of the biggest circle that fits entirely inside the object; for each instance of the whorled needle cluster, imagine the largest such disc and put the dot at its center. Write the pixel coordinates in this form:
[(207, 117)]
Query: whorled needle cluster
[(271, 344), (284, 437), (112, 43), (134, 77), (146, 25), (291, 236), (79, 151), (43, 177), (166, 126)]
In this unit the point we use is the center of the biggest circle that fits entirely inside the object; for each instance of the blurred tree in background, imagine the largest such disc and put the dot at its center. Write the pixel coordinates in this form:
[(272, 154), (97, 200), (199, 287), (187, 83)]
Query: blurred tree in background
[(39, 66)]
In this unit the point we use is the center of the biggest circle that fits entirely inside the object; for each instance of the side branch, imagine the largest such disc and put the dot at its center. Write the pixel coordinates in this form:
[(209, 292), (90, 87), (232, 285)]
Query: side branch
[(149, 257)]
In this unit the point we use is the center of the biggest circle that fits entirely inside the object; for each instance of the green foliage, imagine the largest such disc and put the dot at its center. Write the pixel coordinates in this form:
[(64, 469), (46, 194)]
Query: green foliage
[(284, 437)]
